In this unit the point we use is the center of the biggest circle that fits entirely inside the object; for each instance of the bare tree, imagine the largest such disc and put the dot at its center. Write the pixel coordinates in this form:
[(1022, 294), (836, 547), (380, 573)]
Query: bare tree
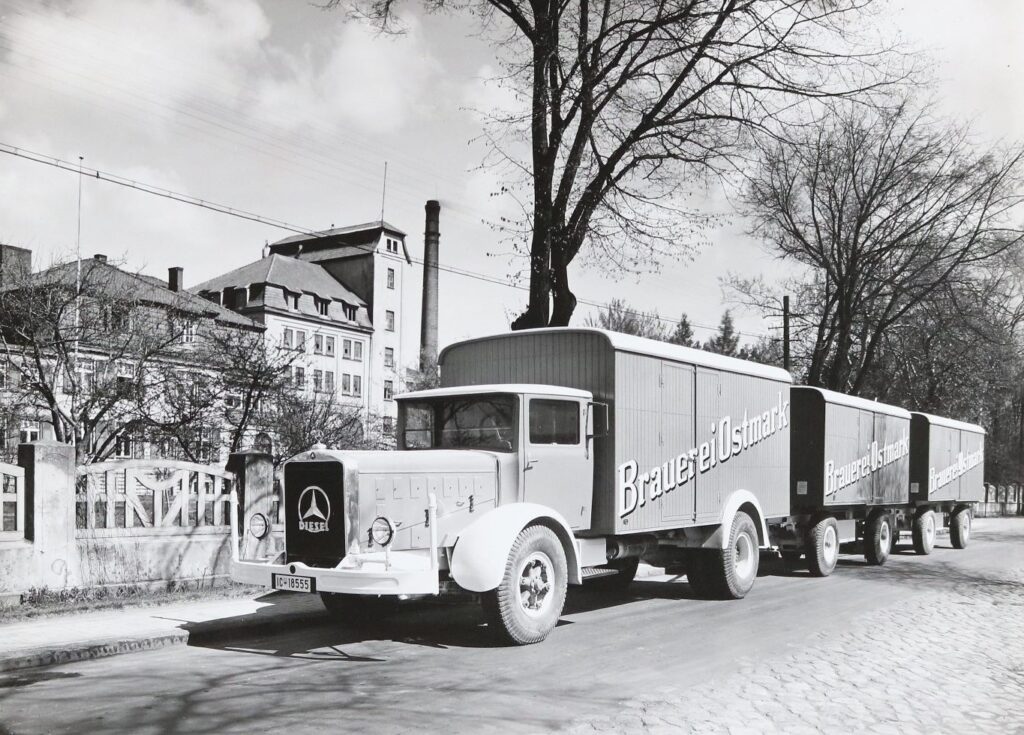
[(878, 210), (618, 317), (304, 420), (633, 102)]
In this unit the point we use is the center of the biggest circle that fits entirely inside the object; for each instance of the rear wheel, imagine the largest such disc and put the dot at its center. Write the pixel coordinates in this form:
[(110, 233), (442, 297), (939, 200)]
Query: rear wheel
[(823, 547), (924, 532), (358, 610), (527, 603), (877, 538), (960, 527), (732, 571)]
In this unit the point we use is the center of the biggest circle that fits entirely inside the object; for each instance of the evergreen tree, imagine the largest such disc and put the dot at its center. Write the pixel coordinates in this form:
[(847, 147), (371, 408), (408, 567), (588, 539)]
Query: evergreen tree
[(727, 341)]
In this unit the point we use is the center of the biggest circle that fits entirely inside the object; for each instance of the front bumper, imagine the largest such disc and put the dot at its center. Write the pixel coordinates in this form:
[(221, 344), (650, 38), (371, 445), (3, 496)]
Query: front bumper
[(408, 573), (371, 573)]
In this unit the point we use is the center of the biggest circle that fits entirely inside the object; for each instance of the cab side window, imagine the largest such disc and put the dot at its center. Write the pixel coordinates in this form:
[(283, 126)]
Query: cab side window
[(554, 422)]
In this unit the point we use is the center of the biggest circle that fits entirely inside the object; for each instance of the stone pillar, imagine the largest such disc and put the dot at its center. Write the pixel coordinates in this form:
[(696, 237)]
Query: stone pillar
[(50, 512), (255, 472)]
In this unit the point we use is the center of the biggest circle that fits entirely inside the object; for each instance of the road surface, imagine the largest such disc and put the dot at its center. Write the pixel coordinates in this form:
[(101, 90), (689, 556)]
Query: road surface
[(922, 644)]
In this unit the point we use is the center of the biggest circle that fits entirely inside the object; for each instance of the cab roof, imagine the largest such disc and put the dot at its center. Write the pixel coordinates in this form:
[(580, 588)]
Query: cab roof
[(532, 388)]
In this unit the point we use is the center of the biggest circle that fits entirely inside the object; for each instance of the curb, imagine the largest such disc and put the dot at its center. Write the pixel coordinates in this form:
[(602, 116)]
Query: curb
[(203, 633)]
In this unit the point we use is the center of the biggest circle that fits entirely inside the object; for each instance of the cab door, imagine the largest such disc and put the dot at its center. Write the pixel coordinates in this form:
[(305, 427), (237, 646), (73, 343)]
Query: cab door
[(557, 467)]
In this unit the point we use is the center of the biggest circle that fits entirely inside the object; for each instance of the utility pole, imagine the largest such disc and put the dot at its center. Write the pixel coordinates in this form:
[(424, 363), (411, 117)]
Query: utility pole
[(785, 332)]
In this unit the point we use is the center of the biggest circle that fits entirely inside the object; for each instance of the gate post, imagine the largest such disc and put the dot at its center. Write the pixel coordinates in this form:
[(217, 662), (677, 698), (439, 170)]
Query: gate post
[(50, 512), (255, 473)]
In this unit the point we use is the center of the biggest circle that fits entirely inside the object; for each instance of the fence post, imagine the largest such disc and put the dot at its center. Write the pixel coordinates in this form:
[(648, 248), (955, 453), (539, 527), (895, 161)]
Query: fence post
[(50, 512), (255, 473)]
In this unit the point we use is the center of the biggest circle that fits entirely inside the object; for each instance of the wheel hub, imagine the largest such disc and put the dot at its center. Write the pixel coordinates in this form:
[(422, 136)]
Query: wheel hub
[(535, 577), (830, 546), (743, 556)]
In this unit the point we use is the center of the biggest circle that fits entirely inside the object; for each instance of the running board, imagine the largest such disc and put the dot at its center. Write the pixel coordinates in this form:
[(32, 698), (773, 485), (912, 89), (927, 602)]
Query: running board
[(595, 572)]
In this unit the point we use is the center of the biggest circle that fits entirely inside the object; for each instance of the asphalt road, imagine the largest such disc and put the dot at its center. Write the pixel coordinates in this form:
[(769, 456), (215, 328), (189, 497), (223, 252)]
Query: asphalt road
[(435, 669)]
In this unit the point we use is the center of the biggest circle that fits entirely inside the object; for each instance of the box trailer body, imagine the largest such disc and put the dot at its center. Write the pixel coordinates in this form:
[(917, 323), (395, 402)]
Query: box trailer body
[(847, 452), (686, 427), (947, 463)]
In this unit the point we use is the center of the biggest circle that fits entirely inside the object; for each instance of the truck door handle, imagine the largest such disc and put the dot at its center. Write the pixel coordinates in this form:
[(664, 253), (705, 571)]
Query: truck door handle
[(530, 463)]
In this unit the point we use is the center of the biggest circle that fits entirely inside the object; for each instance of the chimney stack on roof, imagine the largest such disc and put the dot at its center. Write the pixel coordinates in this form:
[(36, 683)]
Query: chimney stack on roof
[(175, 276), (428, 319), (100, 257)]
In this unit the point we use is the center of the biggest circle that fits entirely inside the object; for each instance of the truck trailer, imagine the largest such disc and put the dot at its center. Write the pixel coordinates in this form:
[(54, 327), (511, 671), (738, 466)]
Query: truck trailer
[(551, 456)]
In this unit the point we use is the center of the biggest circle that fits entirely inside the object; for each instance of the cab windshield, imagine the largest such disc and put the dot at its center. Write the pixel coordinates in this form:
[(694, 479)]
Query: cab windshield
[(459, 422)]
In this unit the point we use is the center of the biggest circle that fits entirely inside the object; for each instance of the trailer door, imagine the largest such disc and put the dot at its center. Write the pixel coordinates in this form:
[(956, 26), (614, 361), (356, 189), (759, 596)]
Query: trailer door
[(677, 436)]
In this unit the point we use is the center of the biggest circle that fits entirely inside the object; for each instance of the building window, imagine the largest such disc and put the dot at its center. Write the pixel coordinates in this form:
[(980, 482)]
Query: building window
[(389, 390), (357, 385), (391, 245), (288, 338), (346, 383), (389, 357), (318, 380), (318, 344), (300, 340), (357, 351), (388, 425), (322, 306), (349, 311), (87, 374), (329, 381), (294, 339), (346, 349), (123, 446), (299, 377), (291, 300), (329, 346), (188, 333), (389, 321), (391, 277), (29, 432)]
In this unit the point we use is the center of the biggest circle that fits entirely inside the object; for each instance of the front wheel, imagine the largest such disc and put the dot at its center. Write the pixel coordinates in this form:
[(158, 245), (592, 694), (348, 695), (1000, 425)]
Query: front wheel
[(924, 532), (960, 527), (527, 603)]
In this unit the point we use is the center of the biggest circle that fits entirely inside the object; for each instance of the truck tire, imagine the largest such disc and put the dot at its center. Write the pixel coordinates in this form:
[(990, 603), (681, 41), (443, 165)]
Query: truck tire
[(618, 583), (528, 601), (731, 571), (358, 610), (823, 547), (960, 527), (924, 532), (877, 538)]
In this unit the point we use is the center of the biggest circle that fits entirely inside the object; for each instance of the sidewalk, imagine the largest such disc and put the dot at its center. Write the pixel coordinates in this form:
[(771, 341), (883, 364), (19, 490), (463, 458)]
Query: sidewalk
[(63, 638)]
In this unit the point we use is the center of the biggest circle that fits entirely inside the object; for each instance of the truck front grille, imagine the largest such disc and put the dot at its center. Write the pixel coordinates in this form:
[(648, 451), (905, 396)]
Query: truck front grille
[(314, 513)]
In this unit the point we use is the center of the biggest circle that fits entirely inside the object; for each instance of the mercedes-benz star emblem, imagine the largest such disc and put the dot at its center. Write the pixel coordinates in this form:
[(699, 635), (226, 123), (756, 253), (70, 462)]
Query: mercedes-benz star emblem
[(314, 510)]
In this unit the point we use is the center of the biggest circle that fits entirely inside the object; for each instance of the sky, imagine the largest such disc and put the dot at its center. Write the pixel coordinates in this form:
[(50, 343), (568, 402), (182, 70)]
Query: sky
[(291, 112)]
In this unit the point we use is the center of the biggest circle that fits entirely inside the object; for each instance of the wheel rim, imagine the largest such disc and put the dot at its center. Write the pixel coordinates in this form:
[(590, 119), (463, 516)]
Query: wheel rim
[(536, 577), (965, 526), (929, 531), (830, 546), (884, 536), (743, 556)]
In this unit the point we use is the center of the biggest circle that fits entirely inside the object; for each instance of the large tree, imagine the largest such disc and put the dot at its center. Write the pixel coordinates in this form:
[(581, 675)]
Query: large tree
[(876, 210), (632, 102)]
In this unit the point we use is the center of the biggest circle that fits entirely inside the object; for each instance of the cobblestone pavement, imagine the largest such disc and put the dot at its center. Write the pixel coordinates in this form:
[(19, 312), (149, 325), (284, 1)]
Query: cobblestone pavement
[(948, 661)]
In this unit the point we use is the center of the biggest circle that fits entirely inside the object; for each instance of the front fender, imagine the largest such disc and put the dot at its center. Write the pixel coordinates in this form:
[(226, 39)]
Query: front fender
[(481, 550), (735, 503)]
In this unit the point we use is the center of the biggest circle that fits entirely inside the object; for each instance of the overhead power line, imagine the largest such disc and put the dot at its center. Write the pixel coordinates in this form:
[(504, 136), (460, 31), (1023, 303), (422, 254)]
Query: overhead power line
[(182, 198)]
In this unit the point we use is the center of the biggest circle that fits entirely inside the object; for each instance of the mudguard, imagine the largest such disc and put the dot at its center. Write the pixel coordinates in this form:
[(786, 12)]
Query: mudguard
[(478, 559), (736, 501)]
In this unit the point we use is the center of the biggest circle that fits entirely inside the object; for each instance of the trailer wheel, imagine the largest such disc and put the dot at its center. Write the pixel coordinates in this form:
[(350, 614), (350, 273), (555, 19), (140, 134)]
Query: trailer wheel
[(528, 601), (732, 571), (877, 538), (924, 532), (960, 527), (358, 610), (823, 547)]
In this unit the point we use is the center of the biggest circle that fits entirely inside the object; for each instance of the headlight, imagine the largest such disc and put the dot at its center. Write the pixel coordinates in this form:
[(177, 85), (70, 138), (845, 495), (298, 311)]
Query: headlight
[(258, 525), (382, 531)]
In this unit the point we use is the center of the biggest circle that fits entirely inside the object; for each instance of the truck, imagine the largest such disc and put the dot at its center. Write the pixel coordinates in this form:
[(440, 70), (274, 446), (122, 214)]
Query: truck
[(552, 456)]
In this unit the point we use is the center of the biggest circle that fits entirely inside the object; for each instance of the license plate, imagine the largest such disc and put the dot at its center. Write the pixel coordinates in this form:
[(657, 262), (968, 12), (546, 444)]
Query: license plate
[(294, 584)]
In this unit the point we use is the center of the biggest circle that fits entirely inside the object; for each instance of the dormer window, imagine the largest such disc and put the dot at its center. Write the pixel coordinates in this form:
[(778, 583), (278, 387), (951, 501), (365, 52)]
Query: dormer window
[(322, 306), (291, 300), (391, 245), (350, 311)]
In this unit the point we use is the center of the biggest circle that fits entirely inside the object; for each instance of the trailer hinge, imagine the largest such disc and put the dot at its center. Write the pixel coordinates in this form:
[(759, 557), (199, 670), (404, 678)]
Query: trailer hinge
[(470, 503), (426, 517)]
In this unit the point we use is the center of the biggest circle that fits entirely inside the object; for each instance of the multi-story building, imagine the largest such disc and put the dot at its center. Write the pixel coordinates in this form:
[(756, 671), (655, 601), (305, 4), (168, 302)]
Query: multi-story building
[(337, 297)]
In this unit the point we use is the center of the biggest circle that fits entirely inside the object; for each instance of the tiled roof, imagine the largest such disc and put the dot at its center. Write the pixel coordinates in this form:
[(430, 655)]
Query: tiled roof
[(371, 228), (353, 239), (146, 288), (295, 275)]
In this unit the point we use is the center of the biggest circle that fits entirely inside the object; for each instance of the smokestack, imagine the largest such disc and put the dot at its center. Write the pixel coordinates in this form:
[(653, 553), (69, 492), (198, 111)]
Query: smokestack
[(174, 278), (428, 323)]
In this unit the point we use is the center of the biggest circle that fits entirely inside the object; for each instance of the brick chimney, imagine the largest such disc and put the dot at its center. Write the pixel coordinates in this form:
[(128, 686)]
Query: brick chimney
[(175, 276), (100, 257), (428, 317)]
